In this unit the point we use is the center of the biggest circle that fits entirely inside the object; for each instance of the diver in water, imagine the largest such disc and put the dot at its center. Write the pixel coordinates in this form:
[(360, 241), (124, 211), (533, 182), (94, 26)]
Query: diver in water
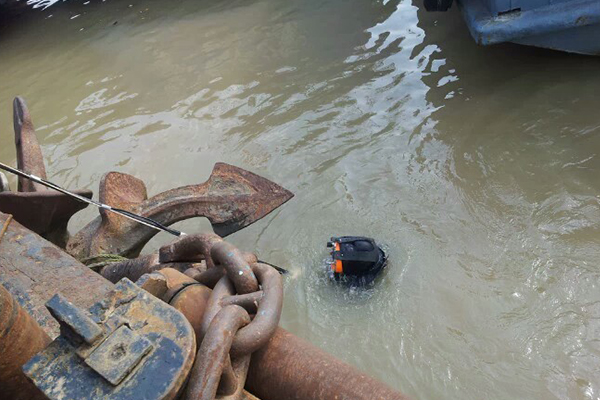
[(356, 260)]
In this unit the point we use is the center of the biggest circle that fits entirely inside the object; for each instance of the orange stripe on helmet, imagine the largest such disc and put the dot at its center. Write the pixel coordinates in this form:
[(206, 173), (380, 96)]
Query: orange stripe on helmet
[(337, 265)]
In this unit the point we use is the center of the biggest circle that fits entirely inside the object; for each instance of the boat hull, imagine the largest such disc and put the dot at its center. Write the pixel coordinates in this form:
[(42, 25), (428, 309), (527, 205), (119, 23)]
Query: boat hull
[(571, 26)]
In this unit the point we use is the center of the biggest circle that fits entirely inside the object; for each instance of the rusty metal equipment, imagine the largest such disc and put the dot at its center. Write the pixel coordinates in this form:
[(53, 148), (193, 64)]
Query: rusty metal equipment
[(226, 331), (215, 371), (132, 345), (20, 339), (36, 180), (29, 153), (184, 255), (231, 199), (33, 270), (288, 367), (229, 336), (235, 323), (282, 367), (44, 211), (134, 268), (181, 292)]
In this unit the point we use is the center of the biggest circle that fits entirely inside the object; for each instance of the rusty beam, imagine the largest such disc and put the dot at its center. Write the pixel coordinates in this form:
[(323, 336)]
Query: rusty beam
[(291, 368), (20, 339)]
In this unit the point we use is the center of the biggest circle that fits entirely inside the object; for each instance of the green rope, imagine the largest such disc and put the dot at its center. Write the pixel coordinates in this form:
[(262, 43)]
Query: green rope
[(97, 262)]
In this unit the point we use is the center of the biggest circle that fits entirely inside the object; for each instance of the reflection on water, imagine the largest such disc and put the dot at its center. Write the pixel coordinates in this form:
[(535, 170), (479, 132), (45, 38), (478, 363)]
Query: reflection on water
[(43, 4), (476, 166)]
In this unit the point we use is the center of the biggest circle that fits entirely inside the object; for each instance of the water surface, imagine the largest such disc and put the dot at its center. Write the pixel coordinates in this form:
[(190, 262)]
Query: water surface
[(477, 167)]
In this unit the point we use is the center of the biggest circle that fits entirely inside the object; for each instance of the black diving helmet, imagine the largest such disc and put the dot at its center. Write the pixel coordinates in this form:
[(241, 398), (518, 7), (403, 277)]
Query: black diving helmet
[(356, 260)]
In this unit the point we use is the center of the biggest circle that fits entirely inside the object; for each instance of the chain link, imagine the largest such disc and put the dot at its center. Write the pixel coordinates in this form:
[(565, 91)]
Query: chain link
[(241, 316)]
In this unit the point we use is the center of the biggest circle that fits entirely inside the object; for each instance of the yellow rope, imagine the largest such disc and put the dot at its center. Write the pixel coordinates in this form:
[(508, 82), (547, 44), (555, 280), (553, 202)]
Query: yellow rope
[(97, 262)]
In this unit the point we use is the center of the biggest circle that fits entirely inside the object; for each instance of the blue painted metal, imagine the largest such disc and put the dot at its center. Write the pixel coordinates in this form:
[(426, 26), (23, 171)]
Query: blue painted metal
[(33, 270), (119, 354), (146, 349), (71, 317), (567, 25)]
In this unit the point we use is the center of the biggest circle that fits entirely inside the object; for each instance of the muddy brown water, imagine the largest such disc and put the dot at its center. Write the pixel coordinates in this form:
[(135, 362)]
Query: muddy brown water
[(477, 168)]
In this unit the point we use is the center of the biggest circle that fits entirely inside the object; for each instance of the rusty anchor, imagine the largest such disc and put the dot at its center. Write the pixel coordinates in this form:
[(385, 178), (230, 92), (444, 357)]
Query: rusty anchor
[(232, 198), (44, 211)]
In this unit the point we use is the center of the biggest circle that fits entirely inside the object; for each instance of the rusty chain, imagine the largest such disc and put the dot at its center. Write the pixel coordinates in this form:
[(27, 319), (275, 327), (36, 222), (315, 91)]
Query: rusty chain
[(241, 316)]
